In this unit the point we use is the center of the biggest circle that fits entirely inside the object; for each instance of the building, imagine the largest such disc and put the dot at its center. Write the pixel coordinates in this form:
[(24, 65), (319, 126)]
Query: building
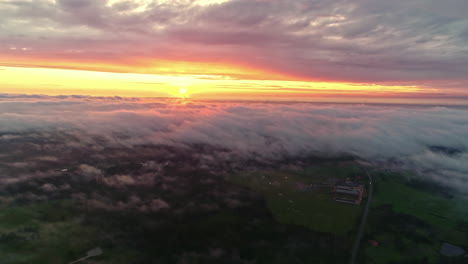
[(349, 192)]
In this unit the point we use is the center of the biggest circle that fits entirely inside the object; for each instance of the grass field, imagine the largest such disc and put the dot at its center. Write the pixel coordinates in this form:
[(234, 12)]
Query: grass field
[(411, 222), (54, 232), (42, 233), (438, 211), (314, 208)]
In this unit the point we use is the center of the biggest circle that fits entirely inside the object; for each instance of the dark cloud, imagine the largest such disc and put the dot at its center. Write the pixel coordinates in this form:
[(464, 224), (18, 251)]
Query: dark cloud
[(364, 40)]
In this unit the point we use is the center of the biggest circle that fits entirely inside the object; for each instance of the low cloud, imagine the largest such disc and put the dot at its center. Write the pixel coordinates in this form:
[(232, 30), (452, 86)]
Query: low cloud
[(428, 139)]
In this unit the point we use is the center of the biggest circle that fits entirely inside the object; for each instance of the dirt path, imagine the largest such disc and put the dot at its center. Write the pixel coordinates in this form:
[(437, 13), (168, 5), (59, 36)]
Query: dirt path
[(362, 226)]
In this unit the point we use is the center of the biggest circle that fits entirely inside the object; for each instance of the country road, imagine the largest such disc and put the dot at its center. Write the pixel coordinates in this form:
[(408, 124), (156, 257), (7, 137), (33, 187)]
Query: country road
[(362, 225)]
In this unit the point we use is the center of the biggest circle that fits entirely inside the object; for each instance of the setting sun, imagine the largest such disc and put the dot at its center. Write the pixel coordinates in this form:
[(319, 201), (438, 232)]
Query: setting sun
[(182, 91)]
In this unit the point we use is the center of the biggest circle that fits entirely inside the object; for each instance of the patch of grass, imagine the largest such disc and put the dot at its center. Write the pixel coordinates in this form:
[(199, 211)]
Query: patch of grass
[(46, 232), (410, 222), (441, 212), (313, 208), (14, 217), (383, 255)]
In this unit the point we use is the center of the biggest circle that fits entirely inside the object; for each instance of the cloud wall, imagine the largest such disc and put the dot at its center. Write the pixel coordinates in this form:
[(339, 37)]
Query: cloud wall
[(430, 139)]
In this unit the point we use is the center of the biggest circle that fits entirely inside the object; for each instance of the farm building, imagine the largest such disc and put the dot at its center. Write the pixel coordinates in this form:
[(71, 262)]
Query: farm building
[(349, 192)]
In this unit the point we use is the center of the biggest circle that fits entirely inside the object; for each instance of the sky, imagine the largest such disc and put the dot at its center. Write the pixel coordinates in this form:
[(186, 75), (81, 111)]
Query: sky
[(237, 49)]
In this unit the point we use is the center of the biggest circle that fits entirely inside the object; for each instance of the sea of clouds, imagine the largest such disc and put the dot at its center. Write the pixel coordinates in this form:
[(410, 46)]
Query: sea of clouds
[(380, 134)]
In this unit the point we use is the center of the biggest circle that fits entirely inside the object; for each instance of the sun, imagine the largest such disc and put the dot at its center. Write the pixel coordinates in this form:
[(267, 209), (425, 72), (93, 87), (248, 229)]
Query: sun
[(182, 91)]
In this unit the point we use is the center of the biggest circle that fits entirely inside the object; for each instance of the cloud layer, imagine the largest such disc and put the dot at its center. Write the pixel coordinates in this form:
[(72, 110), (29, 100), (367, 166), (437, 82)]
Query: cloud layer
[(431, 140), (421, 41)]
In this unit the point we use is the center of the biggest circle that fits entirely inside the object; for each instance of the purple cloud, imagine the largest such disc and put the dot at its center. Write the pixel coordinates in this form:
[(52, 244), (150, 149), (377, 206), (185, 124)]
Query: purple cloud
[(358, 41)]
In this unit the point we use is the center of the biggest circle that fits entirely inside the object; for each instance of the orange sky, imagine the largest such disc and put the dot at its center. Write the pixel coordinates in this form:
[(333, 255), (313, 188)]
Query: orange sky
[(235, 49), (197, 79), (165, 78)]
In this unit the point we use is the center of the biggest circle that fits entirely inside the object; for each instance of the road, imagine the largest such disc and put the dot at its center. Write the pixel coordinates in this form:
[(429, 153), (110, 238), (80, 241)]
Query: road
[(362, 225)]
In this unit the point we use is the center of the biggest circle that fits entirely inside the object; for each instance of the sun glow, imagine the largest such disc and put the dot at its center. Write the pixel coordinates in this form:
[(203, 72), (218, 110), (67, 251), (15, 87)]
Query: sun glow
[(52, 81), (182, 91)]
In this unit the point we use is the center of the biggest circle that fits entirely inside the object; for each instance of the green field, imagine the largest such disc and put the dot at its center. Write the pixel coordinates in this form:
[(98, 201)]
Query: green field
[(443, 213), (42, 233), (270, 224), (314, 208), (411, 221), (273, 219)]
